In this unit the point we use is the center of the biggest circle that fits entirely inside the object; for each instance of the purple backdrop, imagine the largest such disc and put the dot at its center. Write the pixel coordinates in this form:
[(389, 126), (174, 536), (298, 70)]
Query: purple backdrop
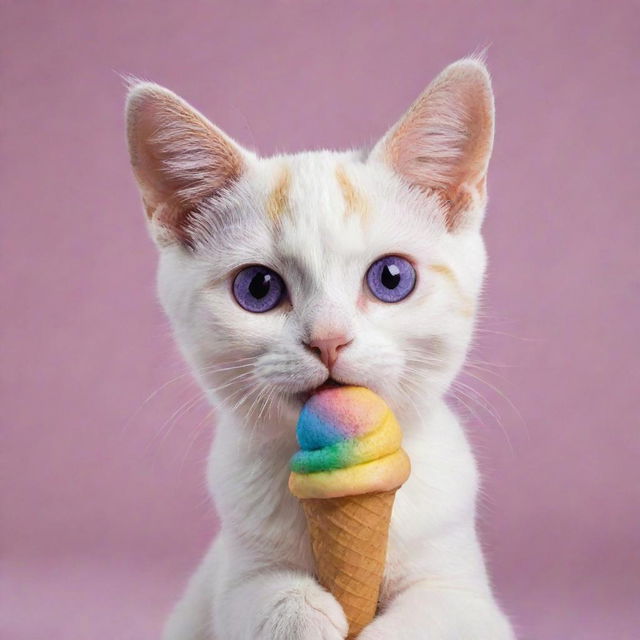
[(104, 511)]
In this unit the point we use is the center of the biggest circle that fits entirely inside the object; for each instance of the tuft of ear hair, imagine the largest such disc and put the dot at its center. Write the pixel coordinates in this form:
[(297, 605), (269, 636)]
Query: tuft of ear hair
[(443, 142), (179, 159)]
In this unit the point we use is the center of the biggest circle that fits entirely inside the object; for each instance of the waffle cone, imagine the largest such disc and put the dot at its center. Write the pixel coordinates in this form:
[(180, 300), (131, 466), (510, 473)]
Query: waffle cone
[(349, 541)]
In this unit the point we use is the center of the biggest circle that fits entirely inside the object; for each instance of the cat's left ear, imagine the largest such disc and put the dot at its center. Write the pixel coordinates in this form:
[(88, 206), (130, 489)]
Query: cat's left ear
[(179, 159), (443, 142)]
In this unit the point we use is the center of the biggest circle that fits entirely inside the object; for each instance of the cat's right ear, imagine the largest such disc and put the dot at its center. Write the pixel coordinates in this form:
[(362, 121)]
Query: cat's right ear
[(442, 145), (178, 157)]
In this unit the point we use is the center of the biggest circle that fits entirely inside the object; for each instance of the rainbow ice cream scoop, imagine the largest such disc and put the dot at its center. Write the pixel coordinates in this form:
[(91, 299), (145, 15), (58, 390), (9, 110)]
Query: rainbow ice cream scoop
[(349, 445)]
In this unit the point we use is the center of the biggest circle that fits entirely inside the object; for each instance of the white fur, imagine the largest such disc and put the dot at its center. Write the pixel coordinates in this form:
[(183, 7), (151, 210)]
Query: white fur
[(256, 581)]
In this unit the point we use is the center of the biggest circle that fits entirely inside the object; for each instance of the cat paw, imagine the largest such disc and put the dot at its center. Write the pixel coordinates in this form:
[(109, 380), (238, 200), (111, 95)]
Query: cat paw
[(326, 617), (305, 613)]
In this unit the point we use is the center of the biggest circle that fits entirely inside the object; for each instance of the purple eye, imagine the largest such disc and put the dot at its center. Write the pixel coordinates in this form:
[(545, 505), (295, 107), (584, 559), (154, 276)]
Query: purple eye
[(391, 278), (258, 289)]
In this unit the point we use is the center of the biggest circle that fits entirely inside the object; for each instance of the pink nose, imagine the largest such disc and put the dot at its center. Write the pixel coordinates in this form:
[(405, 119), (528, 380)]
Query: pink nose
[(327, 348)]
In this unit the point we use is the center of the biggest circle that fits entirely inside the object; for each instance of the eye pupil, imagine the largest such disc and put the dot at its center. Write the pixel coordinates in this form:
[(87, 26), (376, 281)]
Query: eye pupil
[(390, 276), (260, 285)]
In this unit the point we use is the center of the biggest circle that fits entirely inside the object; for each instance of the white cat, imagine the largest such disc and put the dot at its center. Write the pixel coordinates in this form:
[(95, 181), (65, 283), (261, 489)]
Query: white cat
[(278, 273)]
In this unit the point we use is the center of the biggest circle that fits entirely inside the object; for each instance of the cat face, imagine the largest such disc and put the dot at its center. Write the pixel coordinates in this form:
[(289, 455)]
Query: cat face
[(279, 274)]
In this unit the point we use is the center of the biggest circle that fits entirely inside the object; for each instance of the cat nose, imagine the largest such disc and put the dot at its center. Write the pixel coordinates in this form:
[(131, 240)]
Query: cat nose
[(327, 348)]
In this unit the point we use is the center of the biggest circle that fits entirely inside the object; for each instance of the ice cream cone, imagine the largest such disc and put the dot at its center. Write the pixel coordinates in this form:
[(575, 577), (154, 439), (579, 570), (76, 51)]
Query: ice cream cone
[(349, 542), (346, 475)]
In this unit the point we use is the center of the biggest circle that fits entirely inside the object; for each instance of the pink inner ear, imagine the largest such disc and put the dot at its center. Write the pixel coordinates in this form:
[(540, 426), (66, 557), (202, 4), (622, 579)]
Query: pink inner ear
[(145, 157), (444, 141), (178, 157)]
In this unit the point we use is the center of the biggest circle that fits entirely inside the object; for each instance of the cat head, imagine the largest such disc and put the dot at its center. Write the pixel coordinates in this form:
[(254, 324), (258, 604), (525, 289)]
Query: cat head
[(280, 274)]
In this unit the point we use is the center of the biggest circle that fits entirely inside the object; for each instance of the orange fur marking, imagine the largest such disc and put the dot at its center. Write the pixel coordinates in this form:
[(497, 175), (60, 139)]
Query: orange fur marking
[(447, 272), (278, 200), (354, 200)]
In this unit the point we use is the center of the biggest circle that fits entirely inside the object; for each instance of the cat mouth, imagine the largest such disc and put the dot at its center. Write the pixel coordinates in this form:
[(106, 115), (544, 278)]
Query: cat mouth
[(329, 383)]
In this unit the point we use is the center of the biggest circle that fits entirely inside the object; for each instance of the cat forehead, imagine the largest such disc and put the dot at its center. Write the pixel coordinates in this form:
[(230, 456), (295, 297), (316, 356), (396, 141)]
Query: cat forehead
[(319, 185), (335, 202)]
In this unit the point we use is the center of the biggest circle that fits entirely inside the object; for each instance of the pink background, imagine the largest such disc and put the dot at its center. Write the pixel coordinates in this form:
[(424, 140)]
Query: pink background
[(104, 511)]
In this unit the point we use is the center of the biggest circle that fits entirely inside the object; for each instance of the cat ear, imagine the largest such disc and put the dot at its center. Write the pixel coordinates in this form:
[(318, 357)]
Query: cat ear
[(178, 157), (443, 142)]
